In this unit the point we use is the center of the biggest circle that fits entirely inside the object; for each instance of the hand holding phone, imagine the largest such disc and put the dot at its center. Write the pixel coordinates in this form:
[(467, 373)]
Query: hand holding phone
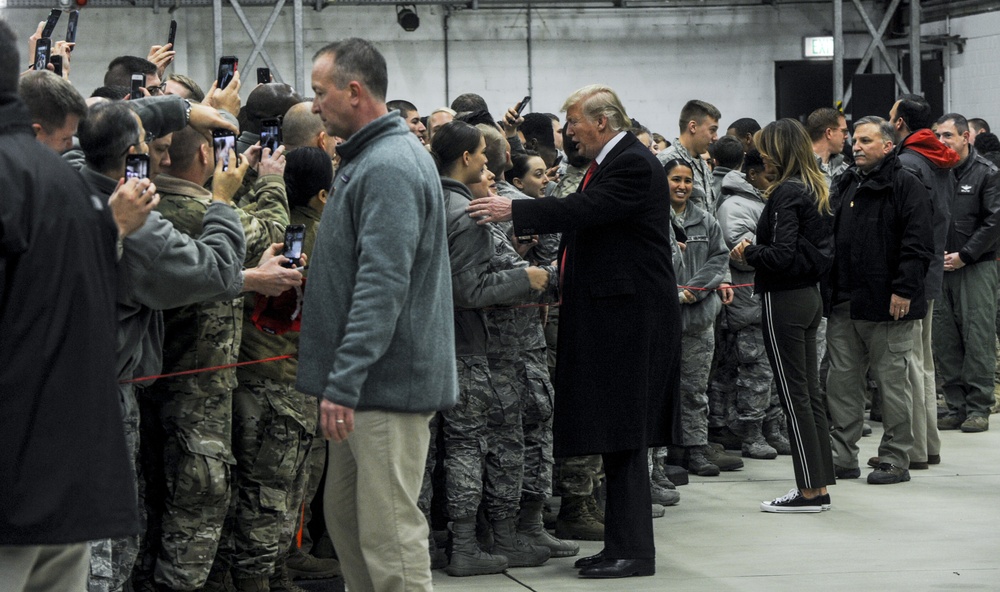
[(43, 50), (524, 103), (223, 141), (227, 68), (57, 64), (270, 134), (138, 83), (50, 23), (137, 166), (295, 236)]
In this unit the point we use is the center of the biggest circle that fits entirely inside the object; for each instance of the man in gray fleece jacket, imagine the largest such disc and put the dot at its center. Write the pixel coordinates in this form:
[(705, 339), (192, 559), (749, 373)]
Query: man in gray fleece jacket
[(377, 340)]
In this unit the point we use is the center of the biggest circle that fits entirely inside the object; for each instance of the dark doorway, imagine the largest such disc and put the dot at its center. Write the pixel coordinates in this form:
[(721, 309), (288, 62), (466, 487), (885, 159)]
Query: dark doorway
[(931, 80), (803, 86)]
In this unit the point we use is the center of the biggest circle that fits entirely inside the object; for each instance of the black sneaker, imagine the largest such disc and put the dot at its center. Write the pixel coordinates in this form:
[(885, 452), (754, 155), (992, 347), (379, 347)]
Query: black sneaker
[(824, 502), (794, 502), (845, 473), (887, 474)]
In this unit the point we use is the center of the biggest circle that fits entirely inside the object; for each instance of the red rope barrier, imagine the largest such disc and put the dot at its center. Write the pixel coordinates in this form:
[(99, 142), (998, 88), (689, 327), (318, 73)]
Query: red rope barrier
[(200, 370), (714, 289)]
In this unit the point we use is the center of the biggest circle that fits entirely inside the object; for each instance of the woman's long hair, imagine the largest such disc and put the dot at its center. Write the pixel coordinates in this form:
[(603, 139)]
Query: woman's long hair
[(786, 143)]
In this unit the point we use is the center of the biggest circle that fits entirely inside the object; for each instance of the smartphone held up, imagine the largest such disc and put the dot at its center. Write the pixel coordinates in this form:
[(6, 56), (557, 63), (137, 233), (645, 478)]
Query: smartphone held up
[(227, 69), (270, 134), (295, 237), (137, 166), (223, 141)]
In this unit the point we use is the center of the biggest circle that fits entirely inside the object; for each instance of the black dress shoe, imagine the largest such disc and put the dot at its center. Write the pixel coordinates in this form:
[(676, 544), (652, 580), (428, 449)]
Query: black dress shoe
[(620, 568), (588, 561)]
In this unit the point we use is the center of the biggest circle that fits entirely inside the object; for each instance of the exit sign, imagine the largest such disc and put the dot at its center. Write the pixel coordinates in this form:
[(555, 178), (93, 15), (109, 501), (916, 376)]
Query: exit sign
[(818, 47)]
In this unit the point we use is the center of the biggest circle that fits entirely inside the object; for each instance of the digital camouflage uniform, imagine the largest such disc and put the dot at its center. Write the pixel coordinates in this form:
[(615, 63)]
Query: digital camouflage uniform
[(111, 560), (484, 437), (740, 390), (273, 430), (484, 445), (517, 357), (743, 378), (156, 267), (706, 267), (191, 461), (703, 191)]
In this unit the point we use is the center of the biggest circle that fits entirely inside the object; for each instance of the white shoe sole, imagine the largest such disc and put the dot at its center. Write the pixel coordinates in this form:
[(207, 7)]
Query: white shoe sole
[(768, 507)]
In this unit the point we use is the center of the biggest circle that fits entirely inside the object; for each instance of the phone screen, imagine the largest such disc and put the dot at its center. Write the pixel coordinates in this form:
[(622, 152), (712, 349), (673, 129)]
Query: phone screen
[(42, 48), (223, 141), (136, 166), (270, 134), (74, 17), (295, 236), (50, 23), (138, 81), (227, 68), (263, 75)]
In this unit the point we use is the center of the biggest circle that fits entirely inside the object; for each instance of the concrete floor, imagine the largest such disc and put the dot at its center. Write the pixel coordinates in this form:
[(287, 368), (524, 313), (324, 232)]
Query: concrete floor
[(940, 531)]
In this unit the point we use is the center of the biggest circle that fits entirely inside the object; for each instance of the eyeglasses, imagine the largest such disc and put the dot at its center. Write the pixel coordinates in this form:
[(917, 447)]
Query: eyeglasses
[(157, 90)]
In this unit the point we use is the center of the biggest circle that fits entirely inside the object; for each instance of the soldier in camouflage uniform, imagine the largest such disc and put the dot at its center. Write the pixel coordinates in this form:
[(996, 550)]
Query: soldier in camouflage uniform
[(158, 267), (517, 359), (196, 411), (706, 267), (741, 396), (274, 424)]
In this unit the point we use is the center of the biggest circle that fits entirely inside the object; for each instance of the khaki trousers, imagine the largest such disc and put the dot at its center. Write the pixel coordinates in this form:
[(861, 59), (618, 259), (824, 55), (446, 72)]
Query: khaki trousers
[(370, 502), (926, 439), (44, 568)]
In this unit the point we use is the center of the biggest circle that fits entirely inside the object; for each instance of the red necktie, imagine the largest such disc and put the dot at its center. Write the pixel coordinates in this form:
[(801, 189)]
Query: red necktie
[(590, 173)]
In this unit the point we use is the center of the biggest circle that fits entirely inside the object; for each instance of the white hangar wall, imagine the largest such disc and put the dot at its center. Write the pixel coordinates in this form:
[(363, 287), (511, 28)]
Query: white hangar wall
[(656, 59)]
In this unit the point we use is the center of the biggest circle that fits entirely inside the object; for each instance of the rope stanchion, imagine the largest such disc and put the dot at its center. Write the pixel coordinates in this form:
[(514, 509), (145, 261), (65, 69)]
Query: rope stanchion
[(200, 370)]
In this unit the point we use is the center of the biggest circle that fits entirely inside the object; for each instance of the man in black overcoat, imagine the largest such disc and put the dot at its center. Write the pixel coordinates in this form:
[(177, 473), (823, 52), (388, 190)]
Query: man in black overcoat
[(619, 332)]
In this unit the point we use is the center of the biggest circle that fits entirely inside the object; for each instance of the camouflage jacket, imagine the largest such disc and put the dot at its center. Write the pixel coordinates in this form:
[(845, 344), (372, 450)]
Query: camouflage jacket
[(703, 192), (547, 249), (570, 181), (515, 330), (257, 344), (208, 333)]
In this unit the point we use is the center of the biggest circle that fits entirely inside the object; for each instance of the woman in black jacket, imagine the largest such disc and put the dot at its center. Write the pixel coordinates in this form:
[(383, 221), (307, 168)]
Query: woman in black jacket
[(794, 250)]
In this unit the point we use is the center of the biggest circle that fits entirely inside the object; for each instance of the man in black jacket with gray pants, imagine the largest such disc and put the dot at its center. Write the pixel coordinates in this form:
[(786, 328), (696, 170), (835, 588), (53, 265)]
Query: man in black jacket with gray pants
[(963, 332), (883, 244)]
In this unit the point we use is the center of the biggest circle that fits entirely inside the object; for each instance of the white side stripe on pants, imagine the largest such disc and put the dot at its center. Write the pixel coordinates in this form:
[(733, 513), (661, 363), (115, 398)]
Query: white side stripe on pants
[(779, 375)]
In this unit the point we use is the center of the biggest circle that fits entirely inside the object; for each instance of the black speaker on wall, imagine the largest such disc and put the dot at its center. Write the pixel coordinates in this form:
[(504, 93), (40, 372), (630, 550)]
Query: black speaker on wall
[(872, 94)]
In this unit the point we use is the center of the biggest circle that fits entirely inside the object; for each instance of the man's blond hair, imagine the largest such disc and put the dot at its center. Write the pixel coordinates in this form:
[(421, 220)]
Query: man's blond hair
[(597, 100)]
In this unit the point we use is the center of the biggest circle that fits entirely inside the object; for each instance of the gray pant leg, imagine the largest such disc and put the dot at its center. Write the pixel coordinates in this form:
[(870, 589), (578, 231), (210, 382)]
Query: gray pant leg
[(845, 386)]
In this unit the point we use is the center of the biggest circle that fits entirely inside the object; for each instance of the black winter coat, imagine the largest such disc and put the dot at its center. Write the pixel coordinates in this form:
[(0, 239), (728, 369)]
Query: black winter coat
[(885, 219), (617, 373), (65, 476)]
